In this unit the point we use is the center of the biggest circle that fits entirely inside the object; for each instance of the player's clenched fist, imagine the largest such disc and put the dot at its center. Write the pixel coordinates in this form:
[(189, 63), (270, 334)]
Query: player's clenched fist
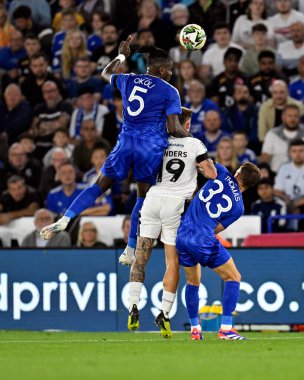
[(47, 232)]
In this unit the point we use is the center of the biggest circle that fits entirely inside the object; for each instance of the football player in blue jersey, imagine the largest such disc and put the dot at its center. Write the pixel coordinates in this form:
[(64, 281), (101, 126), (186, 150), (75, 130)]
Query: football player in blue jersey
[(217, 205), (151, 107)]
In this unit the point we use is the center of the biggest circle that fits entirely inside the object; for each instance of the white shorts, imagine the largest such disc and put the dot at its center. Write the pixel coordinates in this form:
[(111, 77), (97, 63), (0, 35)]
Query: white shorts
[(161, 214)]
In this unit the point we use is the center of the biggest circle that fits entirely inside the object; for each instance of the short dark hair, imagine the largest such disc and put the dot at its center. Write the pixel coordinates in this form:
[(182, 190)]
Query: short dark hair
[(259, 28), (265, 181), (22, 12), (221, 25), (155, 55), (109, 24), (31, 36), (296, 142), (67, 162), (233, 51), (240, 132), (39, 55), (68, 12), (15, 179), (249, 174), (26, 135), (266, 54), (145, 30), (291, 107), (185, 115), (62, 130)]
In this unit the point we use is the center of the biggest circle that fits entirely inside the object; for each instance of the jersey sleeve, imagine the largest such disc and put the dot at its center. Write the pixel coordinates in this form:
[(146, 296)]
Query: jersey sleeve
[(201, 151), (279, 179), (231, 218), (119, 80), (174, 102)]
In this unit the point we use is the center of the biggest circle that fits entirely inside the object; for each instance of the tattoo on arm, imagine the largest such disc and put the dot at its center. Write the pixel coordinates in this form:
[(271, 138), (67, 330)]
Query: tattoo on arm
[(143, 253)]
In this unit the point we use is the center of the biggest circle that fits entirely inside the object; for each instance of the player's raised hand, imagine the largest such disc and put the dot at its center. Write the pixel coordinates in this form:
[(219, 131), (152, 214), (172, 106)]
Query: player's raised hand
[(124, 47), (48, 231)]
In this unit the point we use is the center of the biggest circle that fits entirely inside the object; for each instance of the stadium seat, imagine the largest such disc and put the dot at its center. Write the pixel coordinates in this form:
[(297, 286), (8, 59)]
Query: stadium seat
[(243, 227), (293, 239)]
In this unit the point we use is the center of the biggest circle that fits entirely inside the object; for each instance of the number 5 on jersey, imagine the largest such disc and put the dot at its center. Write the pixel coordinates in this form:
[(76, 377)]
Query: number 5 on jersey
[(211, 194), (133, 97)]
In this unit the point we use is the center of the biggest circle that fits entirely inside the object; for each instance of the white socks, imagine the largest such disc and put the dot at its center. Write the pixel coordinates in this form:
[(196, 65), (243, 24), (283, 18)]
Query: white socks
[(134, 293), (167, 302), (226, 327)]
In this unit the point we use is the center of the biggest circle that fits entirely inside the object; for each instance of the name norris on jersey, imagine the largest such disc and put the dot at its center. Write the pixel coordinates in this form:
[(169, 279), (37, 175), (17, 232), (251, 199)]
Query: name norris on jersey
[(174, 153), (233, 188), (144, 82)]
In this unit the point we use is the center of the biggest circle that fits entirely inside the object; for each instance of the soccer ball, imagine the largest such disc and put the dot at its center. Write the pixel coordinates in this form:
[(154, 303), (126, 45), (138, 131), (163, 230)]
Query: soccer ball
[(192, 37)]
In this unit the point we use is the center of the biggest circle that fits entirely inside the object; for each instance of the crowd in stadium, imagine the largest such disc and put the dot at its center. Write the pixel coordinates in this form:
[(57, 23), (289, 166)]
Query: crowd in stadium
[(59, 120)]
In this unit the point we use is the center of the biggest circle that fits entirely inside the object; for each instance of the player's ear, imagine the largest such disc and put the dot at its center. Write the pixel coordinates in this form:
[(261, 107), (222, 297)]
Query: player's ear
[(188, 125)]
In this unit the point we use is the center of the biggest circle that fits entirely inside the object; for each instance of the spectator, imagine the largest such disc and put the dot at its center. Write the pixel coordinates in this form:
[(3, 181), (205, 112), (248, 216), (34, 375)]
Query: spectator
[(275, 146), (109, 50), (113, 120), (240, 142), (290, 51), (5, 28), (88, 109), (19, 164), (99, 19), (222, 87), (266, 172), (98, 157), (32, 46), (178, 54), (296, 87), (88, 8), (10, 55), (235, 10), (213, 132), (187, 73), (260, 83), (213, 59), (22, 20), (199, 105), (148, 17), (250, 63), (137, 60), (83, 150), (49, 178), (32, 86), (68, 23), (280, 23), (242, 115), (202, 12), (74, 47), (88, 236), (242, 30), (50, 115), (60, 198), (271, 111), (28, 142), (19, 200), (83, 78), (126, 224), (15, 113), (268, 205), (60, 140), (289, 181), (40, 9), (226, 154), (42, 218), (70, 6), (177, 17)]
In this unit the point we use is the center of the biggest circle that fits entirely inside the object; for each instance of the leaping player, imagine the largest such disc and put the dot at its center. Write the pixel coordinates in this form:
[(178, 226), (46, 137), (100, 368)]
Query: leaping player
[(150, 107), (161, 213), (217, 205)]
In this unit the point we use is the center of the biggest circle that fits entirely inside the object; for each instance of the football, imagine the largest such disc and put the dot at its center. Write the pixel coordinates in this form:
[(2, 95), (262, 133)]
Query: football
[(192, 37)]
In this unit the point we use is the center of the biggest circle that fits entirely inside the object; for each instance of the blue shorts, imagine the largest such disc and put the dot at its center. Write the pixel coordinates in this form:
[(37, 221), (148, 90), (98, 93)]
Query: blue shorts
[(200, 247), (133, 152)]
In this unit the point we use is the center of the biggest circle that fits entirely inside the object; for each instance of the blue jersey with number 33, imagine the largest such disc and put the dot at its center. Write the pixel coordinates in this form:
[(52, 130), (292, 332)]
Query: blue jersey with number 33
[(219, 201), (147, 101)]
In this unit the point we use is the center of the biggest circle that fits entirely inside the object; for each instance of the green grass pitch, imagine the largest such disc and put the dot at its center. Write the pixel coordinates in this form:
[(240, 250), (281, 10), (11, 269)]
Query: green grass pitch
[(123, 356)]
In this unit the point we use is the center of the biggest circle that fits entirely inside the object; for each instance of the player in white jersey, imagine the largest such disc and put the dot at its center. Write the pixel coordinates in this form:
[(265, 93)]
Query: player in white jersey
[(161, 214)]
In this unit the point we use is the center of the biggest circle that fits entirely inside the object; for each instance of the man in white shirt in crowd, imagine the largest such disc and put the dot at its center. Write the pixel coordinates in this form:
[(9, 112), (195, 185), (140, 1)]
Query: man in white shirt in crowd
[(213, 58)]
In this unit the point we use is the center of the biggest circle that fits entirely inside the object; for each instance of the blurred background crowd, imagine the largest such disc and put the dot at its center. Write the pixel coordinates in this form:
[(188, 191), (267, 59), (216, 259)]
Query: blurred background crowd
[(59, 120)]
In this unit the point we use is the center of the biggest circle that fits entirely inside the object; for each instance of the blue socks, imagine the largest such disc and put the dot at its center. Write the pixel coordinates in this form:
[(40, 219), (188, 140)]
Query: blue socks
[(134, 222), (229, 301), (192, 302), (84, 200)]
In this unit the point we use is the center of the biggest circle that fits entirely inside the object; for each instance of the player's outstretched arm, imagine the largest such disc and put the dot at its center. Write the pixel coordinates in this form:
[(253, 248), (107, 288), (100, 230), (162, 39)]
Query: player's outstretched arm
[(208, 168), (174, 127), (123, 53)]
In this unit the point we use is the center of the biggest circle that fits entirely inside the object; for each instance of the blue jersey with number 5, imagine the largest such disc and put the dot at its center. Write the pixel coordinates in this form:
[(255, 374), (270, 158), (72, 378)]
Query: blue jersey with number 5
[(219, 201), (147, 101)]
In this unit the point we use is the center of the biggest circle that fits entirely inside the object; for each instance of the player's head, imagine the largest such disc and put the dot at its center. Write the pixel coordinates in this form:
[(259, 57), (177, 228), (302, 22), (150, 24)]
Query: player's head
[(158, 62), (185, 118), (247, 175)]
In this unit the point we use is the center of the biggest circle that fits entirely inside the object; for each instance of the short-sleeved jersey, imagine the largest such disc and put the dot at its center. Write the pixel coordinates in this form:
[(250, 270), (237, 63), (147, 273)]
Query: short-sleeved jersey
[(219, 201), (147, 101), (290, 179), (178, 173)]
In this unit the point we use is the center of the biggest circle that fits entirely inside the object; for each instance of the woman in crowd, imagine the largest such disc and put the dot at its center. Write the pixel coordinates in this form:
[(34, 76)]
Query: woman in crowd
[(88, 236), (226, 154), (187, 73)]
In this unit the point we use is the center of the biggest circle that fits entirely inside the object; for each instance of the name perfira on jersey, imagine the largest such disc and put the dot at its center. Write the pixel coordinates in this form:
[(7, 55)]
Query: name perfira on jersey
[(233, 188), (144, 82)]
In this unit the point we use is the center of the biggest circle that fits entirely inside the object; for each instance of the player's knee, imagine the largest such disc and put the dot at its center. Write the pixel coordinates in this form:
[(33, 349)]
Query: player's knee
[(233, 276)]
